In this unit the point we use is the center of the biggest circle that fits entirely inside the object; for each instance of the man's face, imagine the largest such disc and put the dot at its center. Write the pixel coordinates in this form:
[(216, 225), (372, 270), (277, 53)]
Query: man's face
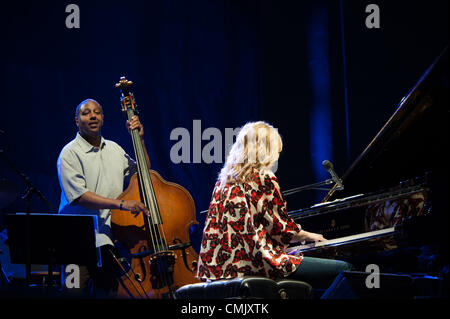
[(90, 119)]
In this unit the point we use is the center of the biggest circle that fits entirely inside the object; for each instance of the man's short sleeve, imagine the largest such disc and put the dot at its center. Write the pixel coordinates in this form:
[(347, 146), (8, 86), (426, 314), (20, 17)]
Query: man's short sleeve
[(130, 166), (71, 177)]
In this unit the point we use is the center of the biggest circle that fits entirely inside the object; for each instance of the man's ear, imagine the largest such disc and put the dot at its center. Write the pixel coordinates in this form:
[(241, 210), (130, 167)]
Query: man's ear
[(76, 121)]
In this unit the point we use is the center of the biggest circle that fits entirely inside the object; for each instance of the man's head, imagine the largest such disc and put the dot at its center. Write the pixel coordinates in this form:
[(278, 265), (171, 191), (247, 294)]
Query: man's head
[(89, 118)]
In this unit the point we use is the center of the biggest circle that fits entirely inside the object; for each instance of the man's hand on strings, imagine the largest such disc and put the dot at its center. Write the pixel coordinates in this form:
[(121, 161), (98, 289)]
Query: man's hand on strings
[(135, 124), (135, 207)]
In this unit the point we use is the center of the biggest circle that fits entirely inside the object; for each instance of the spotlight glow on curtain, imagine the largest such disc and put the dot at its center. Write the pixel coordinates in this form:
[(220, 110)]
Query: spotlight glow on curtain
[(319, 76)]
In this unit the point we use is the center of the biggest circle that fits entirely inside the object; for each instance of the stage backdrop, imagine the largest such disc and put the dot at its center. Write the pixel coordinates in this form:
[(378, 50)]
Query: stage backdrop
[(201, 69)]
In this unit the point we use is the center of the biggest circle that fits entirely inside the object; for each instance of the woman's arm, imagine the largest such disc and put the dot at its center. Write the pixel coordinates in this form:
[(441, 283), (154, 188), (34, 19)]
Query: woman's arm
[(305, 236)]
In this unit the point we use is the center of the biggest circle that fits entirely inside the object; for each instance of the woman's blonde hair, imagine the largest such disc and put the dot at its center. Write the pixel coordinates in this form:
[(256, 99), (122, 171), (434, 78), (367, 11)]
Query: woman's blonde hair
[(258, 146)]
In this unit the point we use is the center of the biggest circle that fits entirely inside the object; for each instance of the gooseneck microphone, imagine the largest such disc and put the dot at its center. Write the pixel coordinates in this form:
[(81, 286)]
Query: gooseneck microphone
[(329, 168)]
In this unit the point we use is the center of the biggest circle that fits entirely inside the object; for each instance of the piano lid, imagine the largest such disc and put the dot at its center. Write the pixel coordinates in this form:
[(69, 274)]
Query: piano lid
[(411, 143)]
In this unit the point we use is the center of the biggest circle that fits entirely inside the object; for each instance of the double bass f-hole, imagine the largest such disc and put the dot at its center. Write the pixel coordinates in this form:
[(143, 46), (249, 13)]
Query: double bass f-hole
[(178, 245), (141, 276)]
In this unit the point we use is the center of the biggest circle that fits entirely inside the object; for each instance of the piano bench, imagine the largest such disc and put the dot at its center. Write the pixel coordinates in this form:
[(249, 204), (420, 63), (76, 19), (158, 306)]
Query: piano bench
[(246, 288)]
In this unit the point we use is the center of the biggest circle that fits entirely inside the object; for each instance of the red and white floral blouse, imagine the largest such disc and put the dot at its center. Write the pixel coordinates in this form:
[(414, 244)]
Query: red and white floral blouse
[(246, 232)]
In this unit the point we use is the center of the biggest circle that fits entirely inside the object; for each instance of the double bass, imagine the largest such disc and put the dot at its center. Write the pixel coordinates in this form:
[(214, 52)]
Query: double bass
[(155, 254)]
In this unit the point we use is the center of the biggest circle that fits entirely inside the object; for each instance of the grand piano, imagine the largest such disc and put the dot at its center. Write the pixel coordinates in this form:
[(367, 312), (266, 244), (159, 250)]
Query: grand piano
[(393, 210)]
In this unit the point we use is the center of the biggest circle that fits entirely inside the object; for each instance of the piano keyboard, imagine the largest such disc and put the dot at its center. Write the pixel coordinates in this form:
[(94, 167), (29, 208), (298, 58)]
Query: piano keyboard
[(344, 240)]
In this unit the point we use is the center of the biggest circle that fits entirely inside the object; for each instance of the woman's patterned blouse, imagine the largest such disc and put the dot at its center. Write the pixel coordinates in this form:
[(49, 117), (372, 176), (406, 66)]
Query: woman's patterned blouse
[(247, 230)]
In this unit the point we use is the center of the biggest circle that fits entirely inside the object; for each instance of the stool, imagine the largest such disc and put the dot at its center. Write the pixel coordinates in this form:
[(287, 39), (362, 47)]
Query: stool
[(246, 288)]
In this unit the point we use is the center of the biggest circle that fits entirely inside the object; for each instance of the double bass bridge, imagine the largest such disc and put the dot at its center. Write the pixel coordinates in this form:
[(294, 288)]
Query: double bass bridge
[(161, 269)]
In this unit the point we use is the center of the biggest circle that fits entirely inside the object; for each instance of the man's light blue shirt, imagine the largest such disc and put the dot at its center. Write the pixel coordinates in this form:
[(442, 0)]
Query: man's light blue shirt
[(101, 170)]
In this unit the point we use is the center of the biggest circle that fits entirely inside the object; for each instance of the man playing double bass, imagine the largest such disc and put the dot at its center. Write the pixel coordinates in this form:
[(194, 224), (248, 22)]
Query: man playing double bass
[(92, 172)]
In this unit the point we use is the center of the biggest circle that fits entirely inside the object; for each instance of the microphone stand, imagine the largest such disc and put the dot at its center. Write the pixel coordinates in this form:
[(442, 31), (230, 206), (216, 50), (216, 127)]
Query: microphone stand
[(302, 188), (309, 187), (29, 192)]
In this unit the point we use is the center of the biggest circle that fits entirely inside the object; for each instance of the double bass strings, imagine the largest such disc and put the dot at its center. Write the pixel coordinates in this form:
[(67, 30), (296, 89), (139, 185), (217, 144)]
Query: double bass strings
[(143, 179), (155, 220), (152, 202), (144, 186)]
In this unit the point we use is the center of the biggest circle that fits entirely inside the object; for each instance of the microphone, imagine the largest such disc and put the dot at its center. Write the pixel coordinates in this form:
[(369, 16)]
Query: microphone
[(329, 167)]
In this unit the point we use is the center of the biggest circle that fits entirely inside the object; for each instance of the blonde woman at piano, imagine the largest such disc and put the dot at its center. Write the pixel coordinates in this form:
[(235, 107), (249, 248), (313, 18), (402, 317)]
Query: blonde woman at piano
[(247, 228)]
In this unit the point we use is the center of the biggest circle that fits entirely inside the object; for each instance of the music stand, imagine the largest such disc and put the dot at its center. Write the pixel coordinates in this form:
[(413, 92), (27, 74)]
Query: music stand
[(54, 240)]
